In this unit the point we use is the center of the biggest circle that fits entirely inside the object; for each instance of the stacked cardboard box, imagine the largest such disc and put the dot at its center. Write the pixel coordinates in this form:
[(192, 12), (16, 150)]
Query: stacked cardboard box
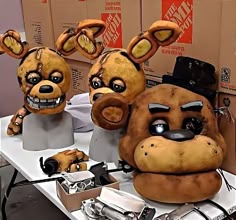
[(38, 23), (199, 20), (122, 18), (121, 27), (227, 82), (79, 82), (67, 14), (227, 79)]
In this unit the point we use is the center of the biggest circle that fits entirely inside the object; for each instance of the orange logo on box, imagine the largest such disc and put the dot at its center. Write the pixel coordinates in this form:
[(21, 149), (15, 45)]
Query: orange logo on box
[(180, 12), (112, 36)]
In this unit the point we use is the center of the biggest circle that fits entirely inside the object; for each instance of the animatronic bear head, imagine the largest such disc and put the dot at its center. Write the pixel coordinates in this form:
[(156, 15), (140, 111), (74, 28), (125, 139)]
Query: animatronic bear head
[(117, 70), (43, 75), (173, 143)]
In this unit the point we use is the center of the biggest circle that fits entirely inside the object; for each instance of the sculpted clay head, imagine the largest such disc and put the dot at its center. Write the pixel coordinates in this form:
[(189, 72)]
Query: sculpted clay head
[(174, 144)]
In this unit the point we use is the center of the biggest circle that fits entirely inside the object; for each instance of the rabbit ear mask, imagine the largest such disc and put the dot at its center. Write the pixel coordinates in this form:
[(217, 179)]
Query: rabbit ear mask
[(82, 39), (145, 45), (140, 48), (10, 43)]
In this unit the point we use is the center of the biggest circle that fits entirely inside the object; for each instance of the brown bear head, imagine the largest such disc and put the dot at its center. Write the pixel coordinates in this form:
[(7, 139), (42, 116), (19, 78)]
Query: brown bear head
[(172, 141)]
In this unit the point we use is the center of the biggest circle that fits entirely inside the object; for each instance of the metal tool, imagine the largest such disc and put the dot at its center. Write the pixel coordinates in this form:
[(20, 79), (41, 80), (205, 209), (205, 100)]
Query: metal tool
[(178, 213), (95, 209), (103, 210)]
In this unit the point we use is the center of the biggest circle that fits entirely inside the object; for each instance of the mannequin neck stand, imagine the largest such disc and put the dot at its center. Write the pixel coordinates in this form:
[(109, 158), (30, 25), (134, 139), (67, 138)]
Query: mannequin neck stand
[(104, 145), (52, 131)]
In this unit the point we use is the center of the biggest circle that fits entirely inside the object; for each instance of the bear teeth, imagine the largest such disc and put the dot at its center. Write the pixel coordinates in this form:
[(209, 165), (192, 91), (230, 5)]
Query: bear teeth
[(37, 103)]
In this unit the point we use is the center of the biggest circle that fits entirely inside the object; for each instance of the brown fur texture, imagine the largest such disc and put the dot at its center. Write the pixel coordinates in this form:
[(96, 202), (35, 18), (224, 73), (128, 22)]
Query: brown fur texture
[(43, 75), (10, 43), (115, 69), (115, 75), (170, 169), (120, 71), (47, 67), (69, 159)]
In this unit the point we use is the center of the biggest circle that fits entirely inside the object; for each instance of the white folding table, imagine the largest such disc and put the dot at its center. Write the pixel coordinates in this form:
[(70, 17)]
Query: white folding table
[(27, 163)]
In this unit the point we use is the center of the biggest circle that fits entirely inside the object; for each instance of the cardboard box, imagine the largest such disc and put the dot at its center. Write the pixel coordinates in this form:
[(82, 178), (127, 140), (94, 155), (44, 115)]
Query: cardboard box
[(79, 82), (121, 27), (67, 14), (72, 202), (200, 21), (122, 17), (152, 81), (227, 79), (38, 23), (227, 128)]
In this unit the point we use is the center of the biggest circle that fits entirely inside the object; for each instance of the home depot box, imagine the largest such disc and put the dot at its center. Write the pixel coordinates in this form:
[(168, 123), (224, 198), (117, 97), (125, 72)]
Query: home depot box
[(200, 21), (73, 201), (67, 14), (79, 82), (227, 126), (122, 18), (38, 23), (227, 76)]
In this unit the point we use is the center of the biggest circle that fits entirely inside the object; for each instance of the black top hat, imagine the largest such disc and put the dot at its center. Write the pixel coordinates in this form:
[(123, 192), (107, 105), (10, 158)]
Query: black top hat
[(194, 75)]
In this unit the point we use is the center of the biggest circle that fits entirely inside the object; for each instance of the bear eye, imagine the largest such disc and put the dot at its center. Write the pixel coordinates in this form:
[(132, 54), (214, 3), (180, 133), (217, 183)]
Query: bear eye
[(158, 127), (193, 124), (96, 83), (33, 78), (117, 85), (56, 77)]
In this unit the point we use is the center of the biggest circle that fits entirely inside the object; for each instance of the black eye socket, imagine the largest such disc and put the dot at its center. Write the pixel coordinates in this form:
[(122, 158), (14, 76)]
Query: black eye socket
[(56, 77), (96, 83), (193, 124), (158, 127), (33, 78), (117, 85)]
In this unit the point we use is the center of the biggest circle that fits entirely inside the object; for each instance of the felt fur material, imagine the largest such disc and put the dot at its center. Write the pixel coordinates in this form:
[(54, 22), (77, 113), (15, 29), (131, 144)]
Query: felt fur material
[(44, 75), (172, 166), (115, 80)]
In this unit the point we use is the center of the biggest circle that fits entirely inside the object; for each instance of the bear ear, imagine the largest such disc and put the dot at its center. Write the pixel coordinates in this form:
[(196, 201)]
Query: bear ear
[(145, 45), (85, 42), (65, 42), (165, 32), (97, 26), (82, 39), (10, 43)]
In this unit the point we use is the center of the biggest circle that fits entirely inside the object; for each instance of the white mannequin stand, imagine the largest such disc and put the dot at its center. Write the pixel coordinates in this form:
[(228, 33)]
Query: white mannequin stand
[(104, 145), (52, 131)]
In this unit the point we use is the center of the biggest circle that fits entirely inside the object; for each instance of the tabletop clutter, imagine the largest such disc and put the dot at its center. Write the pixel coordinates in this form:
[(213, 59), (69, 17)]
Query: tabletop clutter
[(165, 136)]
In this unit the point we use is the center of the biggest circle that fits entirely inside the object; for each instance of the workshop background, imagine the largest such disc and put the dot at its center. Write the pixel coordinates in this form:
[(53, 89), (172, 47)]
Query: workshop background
[(42, 21)]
